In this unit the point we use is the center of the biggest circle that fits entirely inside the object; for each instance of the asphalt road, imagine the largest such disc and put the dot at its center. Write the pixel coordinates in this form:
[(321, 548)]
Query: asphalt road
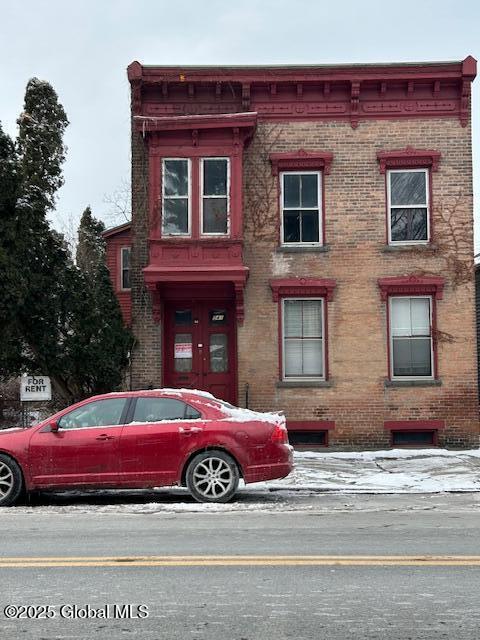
[(263, 598)]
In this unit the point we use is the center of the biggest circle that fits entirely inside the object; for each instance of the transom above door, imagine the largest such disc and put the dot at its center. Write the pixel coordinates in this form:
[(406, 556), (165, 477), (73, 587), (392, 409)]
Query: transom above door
[(199, 347)]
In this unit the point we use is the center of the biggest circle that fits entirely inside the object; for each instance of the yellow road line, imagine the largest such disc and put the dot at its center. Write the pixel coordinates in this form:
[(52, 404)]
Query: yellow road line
[(229, 561)]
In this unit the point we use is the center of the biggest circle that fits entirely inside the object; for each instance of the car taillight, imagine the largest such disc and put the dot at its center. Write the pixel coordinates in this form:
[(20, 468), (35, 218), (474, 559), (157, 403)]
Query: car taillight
[(279, 434)]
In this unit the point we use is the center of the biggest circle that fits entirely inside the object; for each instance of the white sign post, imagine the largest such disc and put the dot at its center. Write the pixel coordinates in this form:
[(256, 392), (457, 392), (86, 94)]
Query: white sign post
[(35, 388)]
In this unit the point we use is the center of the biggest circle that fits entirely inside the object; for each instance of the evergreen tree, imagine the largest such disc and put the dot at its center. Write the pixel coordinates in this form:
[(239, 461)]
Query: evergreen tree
[(47, 268), (11, 286), (91, 246), (101, 340), (56, 318), (40, 144)]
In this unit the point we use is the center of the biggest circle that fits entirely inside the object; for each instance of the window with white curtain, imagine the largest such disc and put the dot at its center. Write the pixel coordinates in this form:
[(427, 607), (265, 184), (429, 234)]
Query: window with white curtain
[(411, 347), (303, 339)]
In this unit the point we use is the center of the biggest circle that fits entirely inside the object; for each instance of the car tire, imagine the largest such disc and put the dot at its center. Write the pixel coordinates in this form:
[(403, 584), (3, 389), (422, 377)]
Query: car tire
[(212, 476), (11, 481)]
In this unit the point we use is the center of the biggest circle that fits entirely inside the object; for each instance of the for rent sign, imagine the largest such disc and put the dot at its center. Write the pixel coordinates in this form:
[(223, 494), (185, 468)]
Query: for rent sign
[(35, 388)]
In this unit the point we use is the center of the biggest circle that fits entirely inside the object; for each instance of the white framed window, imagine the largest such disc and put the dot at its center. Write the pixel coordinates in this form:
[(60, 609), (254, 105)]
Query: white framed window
[(411, 344), (215, 196), (408, 206), (176, 197), (125, 269), (303, 342), (301, 208)]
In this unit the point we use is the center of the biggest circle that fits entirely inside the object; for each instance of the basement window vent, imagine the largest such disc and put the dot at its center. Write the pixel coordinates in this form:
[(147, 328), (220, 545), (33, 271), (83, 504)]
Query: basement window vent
[(308, 438), (417, 438)]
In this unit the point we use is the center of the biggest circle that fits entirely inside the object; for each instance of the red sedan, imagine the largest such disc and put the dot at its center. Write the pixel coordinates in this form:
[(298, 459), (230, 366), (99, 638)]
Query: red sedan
[(143, 439)]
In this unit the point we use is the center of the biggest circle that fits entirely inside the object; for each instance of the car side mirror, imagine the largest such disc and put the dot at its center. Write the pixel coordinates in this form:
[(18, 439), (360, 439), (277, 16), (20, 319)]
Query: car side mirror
[(53, 426)]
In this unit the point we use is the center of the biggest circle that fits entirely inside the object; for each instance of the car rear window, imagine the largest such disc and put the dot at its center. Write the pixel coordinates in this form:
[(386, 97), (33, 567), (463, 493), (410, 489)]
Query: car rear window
[(158, 409)]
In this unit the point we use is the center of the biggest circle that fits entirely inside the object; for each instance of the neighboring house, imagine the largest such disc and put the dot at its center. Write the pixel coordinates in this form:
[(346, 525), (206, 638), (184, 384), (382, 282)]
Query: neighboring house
[(294, 247), (118, 251)]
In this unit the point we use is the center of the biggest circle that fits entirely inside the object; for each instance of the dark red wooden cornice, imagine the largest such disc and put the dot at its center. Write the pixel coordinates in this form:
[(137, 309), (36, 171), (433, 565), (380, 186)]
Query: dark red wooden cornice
[(321, 287), (412, 285), (240, 120), (299, 73), (315, 92), (301, 160), (408, 157)]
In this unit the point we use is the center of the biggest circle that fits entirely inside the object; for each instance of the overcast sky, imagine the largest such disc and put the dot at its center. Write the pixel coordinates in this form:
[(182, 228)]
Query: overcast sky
[(83, 48)]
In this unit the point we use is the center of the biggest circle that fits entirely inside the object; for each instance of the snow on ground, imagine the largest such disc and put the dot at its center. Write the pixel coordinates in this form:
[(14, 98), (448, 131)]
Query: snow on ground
[(392, 471), (396, 471)]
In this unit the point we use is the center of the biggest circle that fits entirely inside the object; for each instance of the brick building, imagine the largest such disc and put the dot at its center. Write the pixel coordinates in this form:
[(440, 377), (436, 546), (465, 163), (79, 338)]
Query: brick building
[(295, 245)]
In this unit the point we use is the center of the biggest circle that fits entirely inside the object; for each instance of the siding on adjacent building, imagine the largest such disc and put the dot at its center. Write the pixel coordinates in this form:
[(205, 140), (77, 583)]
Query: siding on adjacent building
[(116, 239)]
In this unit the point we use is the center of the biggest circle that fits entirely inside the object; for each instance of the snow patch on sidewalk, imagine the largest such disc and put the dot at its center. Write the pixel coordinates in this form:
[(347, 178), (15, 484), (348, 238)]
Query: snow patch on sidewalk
[(390, 471)]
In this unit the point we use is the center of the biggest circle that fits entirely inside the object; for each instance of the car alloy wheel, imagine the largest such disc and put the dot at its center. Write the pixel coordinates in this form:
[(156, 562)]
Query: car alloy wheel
[(11, 481), (212, 477)]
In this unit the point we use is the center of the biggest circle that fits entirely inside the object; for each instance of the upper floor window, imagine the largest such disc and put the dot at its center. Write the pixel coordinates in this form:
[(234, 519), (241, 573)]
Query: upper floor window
[(195, 196), (301, 208), (411, 345), (303, 339), (215, 196), (125, 267), (408, 206), (176, 197)]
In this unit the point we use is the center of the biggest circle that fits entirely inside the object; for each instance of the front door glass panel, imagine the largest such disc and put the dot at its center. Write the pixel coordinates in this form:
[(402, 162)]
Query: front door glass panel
[(218, 352), (183, 352)]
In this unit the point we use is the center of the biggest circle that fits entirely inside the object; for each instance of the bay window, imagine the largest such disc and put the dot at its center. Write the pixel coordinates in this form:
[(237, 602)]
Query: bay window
[(195, 197), (411, 346)]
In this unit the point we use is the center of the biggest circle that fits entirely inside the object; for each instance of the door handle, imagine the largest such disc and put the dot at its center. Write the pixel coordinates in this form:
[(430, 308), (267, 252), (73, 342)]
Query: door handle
[(104, 437), (188, 431)]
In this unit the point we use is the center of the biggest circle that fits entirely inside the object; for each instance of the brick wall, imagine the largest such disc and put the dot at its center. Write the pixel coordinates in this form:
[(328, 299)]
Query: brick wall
[(146, 356), (357, 399), (477, 310)]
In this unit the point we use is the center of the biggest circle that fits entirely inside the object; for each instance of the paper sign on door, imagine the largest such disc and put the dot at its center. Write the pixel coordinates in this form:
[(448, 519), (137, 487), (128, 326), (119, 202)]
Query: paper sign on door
[(183, 350)]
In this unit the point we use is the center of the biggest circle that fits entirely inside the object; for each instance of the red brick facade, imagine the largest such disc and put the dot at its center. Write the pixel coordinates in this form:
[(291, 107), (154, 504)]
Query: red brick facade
[(350, 129)]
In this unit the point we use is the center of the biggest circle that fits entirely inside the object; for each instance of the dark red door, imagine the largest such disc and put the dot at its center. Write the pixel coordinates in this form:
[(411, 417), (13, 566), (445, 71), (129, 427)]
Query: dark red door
[(200, 351)]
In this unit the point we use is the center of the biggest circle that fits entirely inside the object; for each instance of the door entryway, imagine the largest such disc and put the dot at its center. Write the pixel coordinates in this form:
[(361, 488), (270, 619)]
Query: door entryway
[(199, 347)]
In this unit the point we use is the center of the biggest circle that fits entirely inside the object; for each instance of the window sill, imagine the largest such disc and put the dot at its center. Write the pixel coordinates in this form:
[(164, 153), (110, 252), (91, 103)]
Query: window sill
[(303, 249), (307, 384), (413, 383), (393, 248)]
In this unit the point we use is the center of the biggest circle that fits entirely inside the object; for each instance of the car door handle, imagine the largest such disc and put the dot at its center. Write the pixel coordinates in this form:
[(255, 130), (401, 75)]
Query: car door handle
[(104, 437), (189, 430)]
